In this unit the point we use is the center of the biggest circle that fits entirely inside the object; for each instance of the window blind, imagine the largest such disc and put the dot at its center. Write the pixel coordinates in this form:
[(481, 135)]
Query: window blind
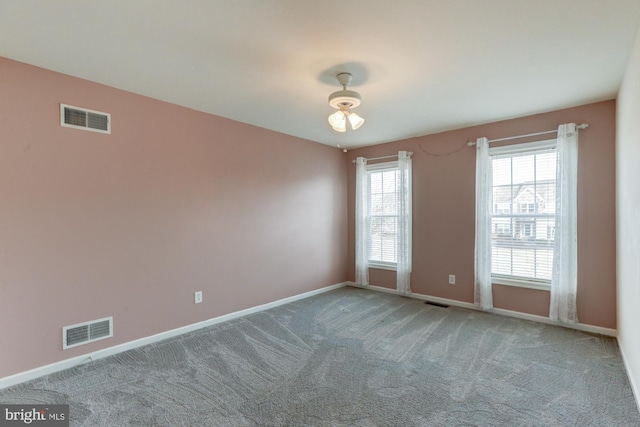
[(523, 214), (383, 215)]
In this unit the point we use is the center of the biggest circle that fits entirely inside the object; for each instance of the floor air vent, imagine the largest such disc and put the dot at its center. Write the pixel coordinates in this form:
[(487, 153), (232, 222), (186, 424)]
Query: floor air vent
[(81, 118), (436, 304), (84, 333)]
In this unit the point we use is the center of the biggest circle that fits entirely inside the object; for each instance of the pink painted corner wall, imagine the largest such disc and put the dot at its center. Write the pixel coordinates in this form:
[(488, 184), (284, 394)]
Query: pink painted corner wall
[(444, 213), (130, 224)]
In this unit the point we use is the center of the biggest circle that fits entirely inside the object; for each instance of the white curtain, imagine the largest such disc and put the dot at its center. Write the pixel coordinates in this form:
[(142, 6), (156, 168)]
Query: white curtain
[(484, 183), (362, 223), (403, 280), (564, 279)]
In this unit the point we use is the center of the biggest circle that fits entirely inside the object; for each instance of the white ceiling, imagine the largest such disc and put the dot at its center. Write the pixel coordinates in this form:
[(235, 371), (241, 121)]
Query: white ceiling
[(421, 66)]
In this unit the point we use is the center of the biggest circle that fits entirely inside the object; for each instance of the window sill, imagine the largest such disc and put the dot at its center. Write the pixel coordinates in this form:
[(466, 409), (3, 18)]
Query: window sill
[(541, 286)]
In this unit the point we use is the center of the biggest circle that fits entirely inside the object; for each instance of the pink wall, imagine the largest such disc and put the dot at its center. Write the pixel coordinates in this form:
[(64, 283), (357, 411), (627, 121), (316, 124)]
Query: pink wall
[(444, 213), (131, 224), (174, 200)]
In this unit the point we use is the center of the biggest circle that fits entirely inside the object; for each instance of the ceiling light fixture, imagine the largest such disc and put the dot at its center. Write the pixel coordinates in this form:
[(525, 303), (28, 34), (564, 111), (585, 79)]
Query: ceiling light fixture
[(344, 100)]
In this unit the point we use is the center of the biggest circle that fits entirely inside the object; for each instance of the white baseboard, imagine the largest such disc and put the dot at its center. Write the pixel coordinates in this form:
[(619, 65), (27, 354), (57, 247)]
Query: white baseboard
[(634, 382), (541, 319), (78, 360), (525, 316)]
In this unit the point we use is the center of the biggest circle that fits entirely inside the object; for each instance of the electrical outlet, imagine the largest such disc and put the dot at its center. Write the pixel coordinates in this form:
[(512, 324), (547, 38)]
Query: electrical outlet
[(197, 297), (452, 279)]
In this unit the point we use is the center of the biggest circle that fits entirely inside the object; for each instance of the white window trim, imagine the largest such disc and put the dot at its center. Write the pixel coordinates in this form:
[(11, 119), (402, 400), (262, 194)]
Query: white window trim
[(524, 148), (381, 265), (382, 166), (499, 279), (509, 151)]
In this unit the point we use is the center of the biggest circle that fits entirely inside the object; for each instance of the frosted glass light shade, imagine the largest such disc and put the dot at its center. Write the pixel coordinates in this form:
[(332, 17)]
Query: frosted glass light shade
[(355, 120), (338, 121)]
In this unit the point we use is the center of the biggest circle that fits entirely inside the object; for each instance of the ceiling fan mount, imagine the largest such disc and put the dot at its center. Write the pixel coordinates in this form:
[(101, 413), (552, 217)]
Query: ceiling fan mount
[(344, 97), (343, 101)]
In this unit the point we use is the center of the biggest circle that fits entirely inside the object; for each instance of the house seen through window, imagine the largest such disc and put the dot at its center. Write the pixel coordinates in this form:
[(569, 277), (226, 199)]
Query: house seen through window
[(523, 217)]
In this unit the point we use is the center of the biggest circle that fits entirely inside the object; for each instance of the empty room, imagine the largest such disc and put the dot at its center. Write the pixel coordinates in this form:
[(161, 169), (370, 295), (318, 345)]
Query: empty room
[(297, 213)]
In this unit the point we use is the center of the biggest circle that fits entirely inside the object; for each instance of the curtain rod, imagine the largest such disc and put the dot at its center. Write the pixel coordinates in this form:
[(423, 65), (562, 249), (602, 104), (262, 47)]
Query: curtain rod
[(582, 126), (410, 153)]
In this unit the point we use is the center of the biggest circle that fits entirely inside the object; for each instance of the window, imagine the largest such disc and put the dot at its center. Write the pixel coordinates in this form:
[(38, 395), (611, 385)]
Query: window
[(551, 232), (502, 208), (523, 217), (527, 207), (540, 181), (503, 229), (383, 186), (383, 219)]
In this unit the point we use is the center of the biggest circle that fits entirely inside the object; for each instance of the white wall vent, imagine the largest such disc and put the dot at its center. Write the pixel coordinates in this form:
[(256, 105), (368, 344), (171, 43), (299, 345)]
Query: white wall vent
[(84, 333), (81, 118)]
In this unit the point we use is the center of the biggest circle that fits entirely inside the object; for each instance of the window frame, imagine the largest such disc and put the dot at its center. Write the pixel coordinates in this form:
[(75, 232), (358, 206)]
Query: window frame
[(371, 168), (510, 151)]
